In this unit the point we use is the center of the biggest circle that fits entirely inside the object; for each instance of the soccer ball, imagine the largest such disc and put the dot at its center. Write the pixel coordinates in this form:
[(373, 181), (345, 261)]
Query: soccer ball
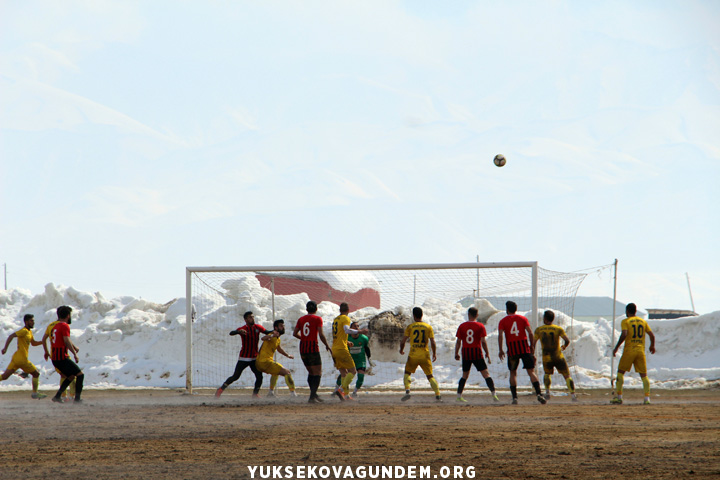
[(499, 160)]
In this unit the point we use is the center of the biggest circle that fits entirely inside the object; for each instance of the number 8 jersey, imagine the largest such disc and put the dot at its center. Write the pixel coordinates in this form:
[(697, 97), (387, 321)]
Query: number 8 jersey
[(471, 333)]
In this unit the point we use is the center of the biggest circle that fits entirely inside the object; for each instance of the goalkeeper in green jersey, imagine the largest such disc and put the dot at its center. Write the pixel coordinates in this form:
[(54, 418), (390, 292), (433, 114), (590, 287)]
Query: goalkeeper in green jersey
[(358, 344)]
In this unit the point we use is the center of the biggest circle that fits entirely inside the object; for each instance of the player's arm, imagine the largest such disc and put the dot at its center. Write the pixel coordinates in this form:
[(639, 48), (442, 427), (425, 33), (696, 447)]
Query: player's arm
[(531, 336), (7, 342), (296, 332), (434, 348), (45, 347), (352, 331), (537, 337), (402, 344), (280, 349), (652, 341), (623, 335), (71, 347), (35, 343), (501, 353), (487, 350), (366, 347), (458, 342), (237, 331), (566, 341), (269, 336), (323, 339)]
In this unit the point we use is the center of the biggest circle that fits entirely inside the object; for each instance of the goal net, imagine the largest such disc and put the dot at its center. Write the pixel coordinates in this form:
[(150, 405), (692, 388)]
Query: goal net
[(381, 298)]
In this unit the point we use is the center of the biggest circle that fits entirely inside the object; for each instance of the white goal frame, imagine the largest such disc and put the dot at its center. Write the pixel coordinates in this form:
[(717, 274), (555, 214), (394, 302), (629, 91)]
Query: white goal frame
[(189, 314)]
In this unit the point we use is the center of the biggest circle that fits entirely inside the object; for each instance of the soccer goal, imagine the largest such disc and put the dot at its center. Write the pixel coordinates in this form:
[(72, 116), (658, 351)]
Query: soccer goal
[(381, 298)]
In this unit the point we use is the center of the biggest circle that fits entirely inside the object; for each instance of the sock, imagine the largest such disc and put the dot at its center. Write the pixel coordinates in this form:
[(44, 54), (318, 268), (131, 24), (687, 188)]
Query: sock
[(547, 380), (63, 387), (490, 384), (339, 380), (35, 384), (619, 383), (513, 391), (62, 379), (290, 382), (536, 386), (360, 380), (346, 381), (79, 385), (646, 386), (72, 388), (273, 381), (570, 385), (435, 386), (461, 386), (314, 382), (223, 386), (406, 382)]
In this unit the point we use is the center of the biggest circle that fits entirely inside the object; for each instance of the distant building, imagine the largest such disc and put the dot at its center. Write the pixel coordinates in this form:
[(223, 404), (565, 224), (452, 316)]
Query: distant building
[(655, 313)]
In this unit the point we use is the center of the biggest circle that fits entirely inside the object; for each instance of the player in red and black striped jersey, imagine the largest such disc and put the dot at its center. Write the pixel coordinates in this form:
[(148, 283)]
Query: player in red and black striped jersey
[(471, 336), (308, 328), (60, 343), (516, 329), (250, 333)]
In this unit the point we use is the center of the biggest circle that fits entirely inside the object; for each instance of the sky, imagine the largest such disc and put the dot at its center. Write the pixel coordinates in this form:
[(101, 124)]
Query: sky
[(138, 138)]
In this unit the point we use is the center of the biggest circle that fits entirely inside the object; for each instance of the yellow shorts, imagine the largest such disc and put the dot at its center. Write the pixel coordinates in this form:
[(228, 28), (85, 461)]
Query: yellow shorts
[(551, 362), (22, 364), (422, 362), (343, 360), (633, 359), (270, 367)]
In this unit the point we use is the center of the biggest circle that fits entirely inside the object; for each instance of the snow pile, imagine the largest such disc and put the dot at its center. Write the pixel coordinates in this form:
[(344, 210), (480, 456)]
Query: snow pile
[(131, 342)]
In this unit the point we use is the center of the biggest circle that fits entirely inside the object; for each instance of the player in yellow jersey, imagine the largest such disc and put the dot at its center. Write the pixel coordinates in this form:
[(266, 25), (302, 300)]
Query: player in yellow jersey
[(633, 334), (20, 358), (69, 394), (340, 351), (420, 335), (265, 362), (552, 353)]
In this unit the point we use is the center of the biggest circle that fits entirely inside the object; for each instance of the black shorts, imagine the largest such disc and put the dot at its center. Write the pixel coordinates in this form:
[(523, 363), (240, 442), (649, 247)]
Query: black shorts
[(479, 363), (67, 367), (528, 360), (311, 359)]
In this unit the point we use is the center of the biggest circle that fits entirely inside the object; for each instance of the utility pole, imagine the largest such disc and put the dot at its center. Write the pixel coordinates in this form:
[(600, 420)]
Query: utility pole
[(689, 290)]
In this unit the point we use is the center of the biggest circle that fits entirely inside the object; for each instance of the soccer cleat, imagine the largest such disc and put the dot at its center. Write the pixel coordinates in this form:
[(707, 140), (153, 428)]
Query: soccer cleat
[(218, 392), (354, 394), (547, 396), (438, 398), (541, 399), (514, 402), (339, 393), (461, 400), (271, 394), (495, 398), (77, 401), (318, 399), (616, 401), (646, 401), (405, 397), (313, 400), (293, 394), (57, 399), (38, 395), (574, 398), (255, 395)]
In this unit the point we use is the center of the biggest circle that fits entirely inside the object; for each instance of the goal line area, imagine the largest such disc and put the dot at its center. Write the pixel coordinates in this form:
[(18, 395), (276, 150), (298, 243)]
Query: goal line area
[(381, 298)]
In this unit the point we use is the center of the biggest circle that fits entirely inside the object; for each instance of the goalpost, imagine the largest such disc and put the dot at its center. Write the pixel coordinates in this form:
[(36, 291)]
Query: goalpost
[(381, 298)]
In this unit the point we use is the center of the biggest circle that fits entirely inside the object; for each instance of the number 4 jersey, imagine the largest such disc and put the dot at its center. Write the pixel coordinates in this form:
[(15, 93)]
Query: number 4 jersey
[(514, 327)]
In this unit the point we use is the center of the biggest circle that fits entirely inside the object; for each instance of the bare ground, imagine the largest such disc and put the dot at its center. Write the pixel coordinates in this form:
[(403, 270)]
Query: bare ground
[(163, 434)]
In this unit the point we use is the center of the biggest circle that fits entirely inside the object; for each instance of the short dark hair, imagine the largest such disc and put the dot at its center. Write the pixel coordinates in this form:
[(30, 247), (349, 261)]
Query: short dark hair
[(28, 316), (354, 323), (511, 306), (472, 312), (344, 307), (311, 307), (277, 322), (549, 315), (630, 309), (417, 313), (64, 311), (247, 314)]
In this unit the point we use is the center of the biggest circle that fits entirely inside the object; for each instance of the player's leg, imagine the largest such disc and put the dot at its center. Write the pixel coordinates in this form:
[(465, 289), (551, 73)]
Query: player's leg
[(360, 380), (239, 367), (31, 370), (624, 365), (640, 365), (313, 362), (410, 367), (529, 366), (258, 379), (466, 364), (563, 370), (426, 366), (513, 362), (490, 383), (548, 370), (288, 381)]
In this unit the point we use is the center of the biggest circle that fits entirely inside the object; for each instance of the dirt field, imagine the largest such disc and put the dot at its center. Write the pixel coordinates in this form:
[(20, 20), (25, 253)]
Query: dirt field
[(163, 434)]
